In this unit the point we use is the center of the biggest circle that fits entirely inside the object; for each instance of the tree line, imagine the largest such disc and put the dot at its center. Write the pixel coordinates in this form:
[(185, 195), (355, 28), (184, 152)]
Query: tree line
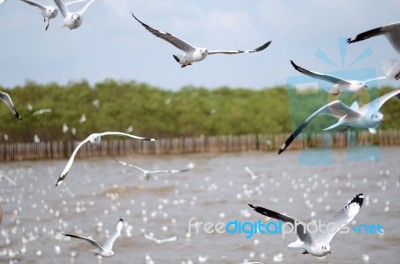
[(149, 111)]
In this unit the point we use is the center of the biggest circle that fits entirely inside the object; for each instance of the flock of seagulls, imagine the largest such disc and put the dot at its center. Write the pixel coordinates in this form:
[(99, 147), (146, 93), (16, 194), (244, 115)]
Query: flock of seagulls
[(366, 117)]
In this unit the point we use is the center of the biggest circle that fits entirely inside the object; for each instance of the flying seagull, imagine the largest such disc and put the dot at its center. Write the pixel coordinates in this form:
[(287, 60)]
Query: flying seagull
[(72, 20), (48, 11), (7, 100), (42, 111), (106, 249), (317, 245), (94, 138), (251, 173), (367, 116), (391, 32), (193, 54), (148, 173), (340, 85), (160, 241)]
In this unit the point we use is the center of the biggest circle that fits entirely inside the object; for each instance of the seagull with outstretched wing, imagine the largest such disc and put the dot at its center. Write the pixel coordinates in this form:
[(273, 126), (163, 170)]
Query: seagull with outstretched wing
[(72, 20), (106, 249), (5, 97), (317, 245), (193, 54), (339, 84), (94, 138), (366, 117)]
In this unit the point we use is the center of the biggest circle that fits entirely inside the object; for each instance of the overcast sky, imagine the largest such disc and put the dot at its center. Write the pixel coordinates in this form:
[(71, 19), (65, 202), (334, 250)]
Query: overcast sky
[(111, 44)]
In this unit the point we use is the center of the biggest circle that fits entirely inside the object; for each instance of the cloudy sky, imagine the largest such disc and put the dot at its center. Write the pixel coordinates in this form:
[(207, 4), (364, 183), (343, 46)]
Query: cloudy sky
[(111, 44)]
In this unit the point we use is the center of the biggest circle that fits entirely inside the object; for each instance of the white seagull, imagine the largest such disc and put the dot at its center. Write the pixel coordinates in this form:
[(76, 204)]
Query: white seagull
[(365, 117), (72, 20), (48, 11), (160, 241), (106, 249), (317, 245), (148, 173), (340, 85), (193, 54), (5, 97), (251, 173), (391, 32), (42, 111), (94, 138)]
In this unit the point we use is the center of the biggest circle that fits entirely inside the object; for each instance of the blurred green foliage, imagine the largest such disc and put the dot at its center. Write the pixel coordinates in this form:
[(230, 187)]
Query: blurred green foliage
[(155, 112)]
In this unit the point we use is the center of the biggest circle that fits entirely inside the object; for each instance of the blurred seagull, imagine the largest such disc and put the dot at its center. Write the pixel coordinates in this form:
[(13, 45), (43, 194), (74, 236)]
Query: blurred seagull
[(94, 138), (106, 249), (340, 85), (2, 1), (193, 54), (367, 116), (390, 31), (42, 111), (7, 100), (72, 20), (251, 173), (317, 245), (148, 173), (160, 241), (48, 11)]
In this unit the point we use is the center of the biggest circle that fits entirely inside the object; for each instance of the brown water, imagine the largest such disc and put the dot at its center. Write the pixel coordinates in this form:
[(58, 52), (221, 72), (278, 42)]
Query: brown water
[(98, 191)]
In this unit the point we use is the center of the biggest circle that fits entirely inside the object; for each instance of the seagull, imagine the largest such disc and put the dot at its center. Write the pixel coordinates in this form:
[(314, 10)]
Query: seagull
[(72, 20), (390, 31), (391, 68), (340, 85), (160, 241), (148, 173), (106, 249), (193, 54), (7, 100), (367, 116), (317, 245), (2, 1), (48, 11), (8, 179), (94, 138), (251, 173), (42, 111)]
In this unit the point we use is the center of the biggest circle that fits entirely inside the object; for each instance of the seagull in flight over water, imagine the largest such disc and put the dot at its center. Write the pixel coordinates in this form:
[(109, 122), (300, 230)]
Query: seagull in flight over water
[(390, 31), (148, 173), (48, 11), (106, 249), (72, 20), (317, 245), (367, 116), (193, 54), (340, 85), (5, 97), (94, 138)]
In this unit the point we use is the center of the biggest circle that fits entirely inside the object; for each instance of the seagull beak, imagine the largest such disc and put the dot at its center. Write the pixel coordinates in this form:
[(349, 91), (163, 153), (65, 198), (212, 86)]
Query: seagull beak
[(383, 120), (329, 252)]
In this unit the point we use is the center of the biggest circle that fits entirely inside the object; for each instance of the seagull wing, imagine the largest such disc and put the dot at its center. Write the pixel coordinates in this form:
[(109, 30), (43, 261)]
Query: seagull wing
[(60, 4), (342, 218), (85, 7), (249, 171), (336, 109), (262, 47), (177, 42), (34, 3), (320, 76), (160, 241), (374, 79), (111, 133), (5, 97), (390, 31), (378, 102), (74, 2), (91, 241), (129, 165), (110, 241), (70, 161), (302, 233)]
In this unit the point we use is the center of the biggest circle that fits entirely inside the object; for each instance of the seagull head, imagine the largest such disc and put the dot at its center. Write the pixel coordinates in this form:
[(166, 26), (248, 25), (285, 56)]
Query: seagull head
[(95, 139), (76, 19), (51, 11), (377, 118), (326, 249), (203, 52)]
